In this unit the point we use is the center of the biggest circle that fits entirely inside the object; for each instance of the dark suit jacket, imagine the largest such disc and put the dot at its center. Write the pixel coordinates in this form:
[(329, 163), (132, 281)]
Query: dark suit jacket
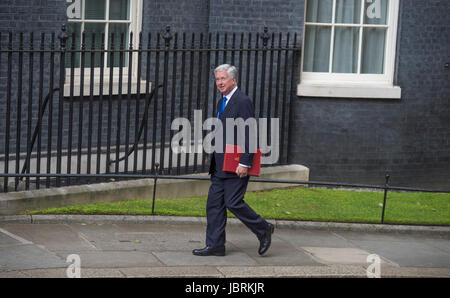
[(238, 106)]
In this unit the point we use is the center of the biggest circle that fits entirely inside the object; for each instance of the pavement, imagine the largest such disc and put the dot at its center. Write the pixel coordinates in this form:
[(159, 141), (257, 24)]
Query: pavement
[(156, 246)]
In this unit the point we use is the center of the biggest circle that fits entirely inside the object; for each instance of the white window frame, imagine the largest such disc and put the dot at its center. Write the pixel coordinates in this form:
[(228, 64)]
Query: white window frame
[(321, 84), (136, 11)]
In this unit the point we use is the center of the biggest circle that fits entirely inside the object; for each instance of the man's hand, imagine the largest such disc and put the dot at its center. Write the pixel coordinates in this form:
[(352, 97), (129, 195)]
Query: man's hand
[(241, 171)]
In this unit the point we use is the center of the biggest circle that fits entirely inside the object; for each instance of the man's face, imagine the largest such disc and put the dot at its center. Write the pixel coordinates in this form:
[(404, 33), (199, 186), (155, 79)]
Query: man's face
[(224, 83)]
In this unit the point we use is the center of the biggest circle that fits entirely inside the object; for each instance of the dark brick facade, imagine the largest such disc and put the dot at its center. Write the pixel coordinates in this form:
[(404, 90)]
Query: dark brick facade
[(351, 140), (33, 15), (358, 140)]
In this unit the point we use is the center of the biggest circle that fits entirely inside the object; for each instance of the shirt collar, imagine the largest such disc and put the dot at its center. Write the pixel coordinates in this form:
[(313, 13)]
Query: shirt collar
[(229, 95)]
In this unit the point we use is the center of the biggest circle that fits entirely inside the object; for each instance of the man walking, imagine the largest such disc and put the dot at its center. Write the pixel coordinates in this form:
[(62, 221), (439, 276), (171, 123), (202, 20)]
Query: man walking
[(227, 189)]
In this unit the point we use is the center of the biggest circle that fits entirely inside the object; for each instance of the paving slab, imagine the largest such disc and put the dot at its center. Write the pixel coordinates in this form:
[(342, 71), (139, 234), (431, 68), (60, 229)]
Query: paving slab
[(14, 274), (409, 254), (162, 241), (186, 258), (7, 240), (304, 237), (292, 271), (51, 236), (338, 255), (28, 256), (280, 253), (173, 271), (413, 272), (113, 259)]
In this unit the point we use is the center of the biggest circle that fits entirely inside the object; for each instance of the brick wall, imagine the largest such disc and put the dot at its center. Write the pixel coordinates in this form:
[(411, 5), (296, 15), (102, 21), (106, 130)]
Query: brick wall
[(358, 140), (33, 15), (181, 15), (254, 15)]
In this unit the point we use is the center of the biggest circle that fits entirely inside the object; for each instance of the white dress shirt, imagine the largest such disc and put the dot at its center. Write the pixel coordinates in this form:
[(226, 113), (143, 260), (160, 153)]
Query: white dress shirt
[(229, 95)]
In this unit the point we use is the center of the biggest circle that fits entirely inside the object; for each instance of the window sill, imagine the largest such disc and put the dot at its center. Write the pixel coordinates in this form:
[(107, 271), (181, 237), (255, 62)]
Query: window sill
[(323, 89), (96, 88)]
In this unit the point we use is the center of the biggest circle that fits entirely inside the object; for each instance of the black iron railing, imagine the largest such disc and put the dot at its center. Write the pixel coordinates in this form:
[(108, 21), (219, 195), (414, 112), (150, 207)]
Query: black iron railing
[(67, 111)]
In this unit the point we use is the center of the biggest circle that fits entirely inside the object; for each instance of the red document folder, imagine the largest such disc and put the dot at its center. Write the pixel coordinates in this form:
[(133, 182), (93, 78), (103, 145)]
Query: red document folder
[(233, 155)]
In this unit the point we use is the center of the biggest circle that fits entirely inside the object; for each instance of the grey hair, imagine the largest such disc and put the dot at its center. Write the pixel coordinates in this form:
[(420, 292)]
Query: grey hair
[(230, 69)]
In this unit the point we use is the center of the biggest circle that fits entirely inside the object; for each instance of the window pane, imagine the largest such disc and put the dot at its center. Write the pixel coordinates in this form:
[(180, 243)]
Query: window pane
[(376, 12), (119, 30), (90, 29), (373, 48), (95, 9), (119, 10), (348, 11), (317, 49), (319, 11), (345, 55), (74, 32)]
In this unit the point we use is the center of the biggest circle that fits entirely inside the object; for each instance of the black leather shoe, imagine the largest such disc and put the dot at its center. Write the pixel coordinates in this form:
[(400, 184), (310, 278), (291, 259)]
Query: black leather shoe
[(266, 240), (210, 251)]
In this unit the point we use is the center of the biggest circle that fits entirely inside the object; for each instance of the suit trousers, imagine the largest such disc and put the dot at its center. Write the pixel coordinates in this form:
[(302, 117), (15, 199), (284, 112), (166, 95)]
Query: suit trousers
[(228, 193)]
